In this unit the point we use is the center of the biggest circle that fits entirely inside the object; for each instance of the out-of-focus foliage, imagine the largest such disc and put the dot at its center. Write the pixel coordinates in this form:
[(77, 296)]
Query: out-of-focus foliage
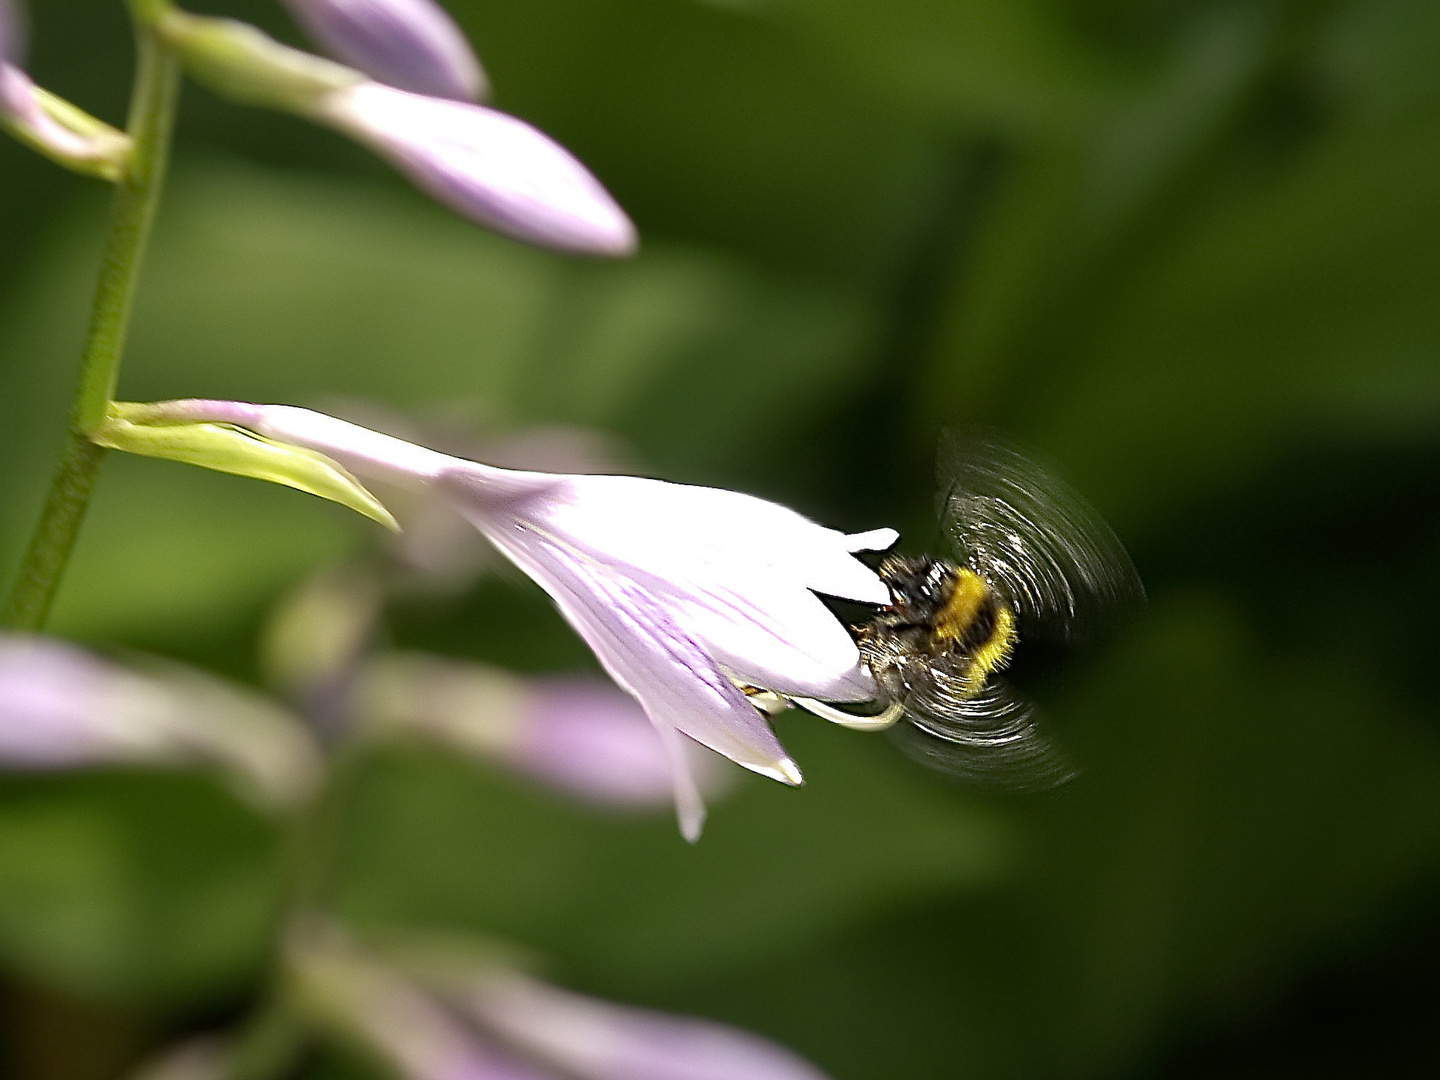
[(1191, 250)]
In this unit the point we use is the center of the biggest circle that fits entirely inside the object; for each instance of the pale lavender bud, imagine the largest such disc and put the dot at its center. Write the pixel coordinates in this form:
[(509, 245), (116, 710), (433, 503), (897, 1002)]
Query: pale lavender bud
[(599, 1040), (410, 44), (62, 707), (581, 736), (485, 165)]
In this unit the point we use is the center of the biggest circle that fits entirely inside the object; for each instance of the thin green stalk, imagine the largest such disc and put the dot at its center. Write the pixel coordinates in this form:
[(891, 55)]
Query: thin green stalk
[(152, 117)]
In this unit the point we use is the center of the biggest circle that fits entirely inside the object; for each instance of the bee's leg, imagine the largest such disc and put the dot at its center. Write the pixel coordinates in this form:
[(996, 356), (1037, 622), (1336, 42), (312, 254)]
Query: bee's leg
[(878, 722)]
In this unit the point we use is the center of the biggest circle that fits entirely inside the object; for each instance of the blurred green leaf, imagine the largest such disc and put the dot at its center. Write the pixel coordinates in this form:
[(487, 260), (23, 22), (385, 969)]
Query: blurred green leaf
[(333, 291), (436, 842), (1022, 63), (137, 887)]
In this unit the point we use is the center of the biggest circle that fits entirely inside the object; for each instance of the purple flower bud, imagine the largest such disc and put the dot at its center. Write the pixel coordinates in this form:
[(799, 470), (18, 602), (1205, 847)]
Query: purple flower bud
[(410, 44), (485, 165), (599, 1040), (581, 736)]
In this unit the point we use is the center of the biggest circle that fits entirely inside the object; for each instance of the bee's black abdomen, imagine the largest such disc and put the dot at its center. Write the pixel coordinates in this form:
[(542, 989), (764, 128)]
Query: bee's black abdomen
[(983, 627)]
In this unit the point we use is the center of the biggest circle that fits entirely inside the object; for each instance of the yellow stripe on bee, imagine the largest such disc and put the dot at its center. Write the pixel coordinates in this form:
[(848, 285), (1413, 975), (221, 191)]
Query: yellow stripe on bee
[(995, 653), (964, 604), (959, 615)]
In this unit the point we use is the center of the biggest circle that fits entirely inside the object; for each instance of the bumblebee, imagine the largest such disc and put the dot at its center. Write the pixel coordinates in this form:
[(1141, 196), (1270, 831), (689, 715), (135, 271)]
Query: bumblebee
[(1031, 559)]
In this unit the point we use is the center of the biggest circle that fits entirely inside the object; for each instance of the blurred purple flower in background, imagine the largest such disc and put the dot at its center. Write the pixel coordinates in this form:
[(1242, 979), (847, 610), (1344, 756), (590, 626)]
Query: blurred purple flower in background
[(600, 1040), (689, 596), (410, 44), (469, 1017), (485, 165), (580, 736), (62, 707), (372, 1006), (10, 36)]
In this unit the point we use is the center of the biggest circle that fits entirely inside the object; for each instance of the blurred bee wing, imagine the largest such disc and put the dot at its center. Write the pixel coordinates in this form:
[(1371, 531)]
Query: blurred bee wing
[(991, 739), (1016, 522)]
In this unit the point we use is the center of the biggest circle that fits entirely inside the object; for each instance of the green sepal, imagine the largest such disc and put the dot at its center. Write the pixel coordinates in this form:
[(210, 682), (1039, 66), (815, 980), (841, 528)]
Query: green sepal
[(226, 448), (245, 64)]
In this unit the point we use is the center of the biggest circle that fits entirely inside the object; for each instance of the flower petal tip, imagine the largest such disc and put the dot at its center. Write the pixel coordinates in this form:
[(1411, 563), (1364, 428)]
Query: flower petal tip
[(874, 540), (487, 166), (692, 826)]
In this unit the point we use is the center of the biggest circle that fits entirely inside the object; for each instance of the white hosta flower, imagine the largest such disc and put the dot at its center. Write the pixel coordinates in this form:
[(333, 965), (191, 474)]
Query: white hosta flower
[(689, 596), (412, 44), (485, 165)]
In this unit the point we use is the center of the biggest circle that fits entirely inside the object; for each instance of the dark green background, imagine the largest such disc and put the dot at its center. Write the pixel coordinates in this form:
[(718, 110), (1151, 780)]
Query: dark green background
[(1189, 249)]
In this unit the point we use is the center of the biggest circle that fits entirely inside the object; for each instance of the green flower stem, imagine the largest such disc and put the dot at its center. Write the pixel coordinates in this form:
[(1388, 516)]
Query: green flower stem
[(34, 589), (152, 117)]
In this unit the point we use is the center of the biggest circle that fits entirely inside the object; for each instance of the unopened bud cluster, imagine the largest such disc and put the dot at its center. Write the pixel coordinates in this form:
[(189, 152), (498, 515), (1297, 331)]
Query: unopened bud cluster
[(410, 98), (403, 82)]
